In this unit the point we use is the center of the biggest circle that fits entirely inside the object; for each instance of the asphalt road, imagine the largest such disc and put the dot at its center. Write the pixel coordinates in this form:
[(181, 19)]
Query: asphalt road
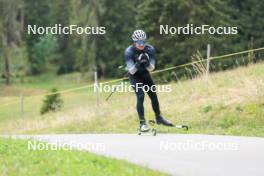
[(176, 154)]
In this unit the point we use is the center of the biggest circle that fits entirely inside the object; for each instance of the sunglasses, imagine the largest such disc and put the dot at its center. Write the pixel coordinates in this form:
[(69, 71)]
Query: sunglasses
[(140, 44)]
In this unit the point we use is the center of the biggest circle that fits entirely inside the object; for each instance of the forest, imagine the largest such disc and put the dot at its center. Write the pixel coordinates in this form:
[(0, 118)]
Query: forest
[(23, 55)]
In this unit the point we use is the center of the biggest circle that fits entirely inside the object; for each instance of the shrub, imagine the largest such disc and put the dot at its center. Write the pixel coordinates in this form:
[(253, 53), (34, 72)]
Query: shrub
[(207, 108), (227, 121), (52, 102)]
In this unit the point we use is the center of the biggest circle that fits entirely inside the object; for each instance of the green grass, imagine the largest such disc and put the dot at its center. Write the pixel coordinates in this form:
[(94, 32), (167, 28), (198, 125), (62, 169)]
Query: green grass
[(48, 80), (17, 160), (230, 104)]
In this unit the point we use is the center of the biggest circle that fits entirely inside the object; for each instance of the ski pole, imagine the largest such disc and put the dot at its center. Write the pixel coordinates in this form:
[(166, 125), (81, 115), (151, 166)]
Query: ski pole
[(114, 90)]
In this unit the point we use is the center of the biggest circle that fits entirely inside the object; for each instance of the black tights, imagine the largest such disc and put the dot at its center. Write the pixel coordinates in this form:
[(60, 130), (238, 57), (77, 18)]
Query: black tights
[(140, 81)]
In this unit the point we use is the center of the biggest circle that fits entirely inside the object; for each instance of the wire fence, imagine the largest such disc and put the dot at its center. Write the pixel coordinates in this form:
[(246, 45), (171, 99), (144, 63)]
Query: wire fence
[(18, 100)]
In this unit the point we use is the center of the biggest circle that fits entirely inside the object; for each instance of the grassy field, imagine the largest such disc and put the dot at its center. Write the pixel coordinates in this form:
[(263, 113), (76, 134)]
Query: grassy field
[(17, 160), (229, 103)]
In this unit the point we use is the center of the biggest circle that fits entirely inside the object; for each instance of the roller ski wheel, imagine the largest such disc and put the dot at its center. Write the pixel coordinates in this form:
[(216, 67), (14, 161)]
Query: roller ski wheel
[(184, 127), (150, 130)]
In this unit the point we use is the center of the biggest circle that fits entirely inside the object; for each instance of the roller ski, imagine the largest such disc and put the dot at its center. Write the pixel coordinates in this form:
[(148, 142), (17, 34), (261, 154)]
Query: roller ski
[(154, 123), (145, 129), (162, 121)]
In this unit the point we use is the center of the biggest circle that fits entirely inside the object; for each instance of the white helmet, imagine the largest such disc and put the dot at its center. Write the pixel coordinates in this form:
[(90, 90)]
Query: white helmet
[(139, 35)]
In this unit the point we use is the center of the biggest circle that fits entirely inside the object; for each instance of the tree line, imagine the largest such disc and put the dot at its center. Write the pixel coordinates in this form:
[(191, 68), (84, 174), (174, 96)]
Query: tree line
[(22, 54)]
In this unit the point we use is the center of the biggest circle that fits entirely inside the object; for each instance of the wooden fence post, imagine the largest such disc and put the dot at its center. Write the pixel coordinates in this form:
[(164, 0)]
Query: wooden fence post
[(96, 88), (208, 62), (22, 104)]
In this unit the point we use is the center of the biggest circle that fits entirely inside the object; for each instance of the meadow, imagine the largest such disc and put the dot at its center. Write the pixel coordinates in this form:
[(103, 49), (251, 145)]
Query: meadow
[(229, 103)]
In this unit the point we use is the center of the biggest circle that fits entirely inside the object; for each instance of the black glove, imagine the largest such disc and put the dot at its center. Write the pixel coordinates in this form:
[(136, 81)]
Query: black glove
[(137, 65), (145, 60), (142, 58), (146, 63)]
